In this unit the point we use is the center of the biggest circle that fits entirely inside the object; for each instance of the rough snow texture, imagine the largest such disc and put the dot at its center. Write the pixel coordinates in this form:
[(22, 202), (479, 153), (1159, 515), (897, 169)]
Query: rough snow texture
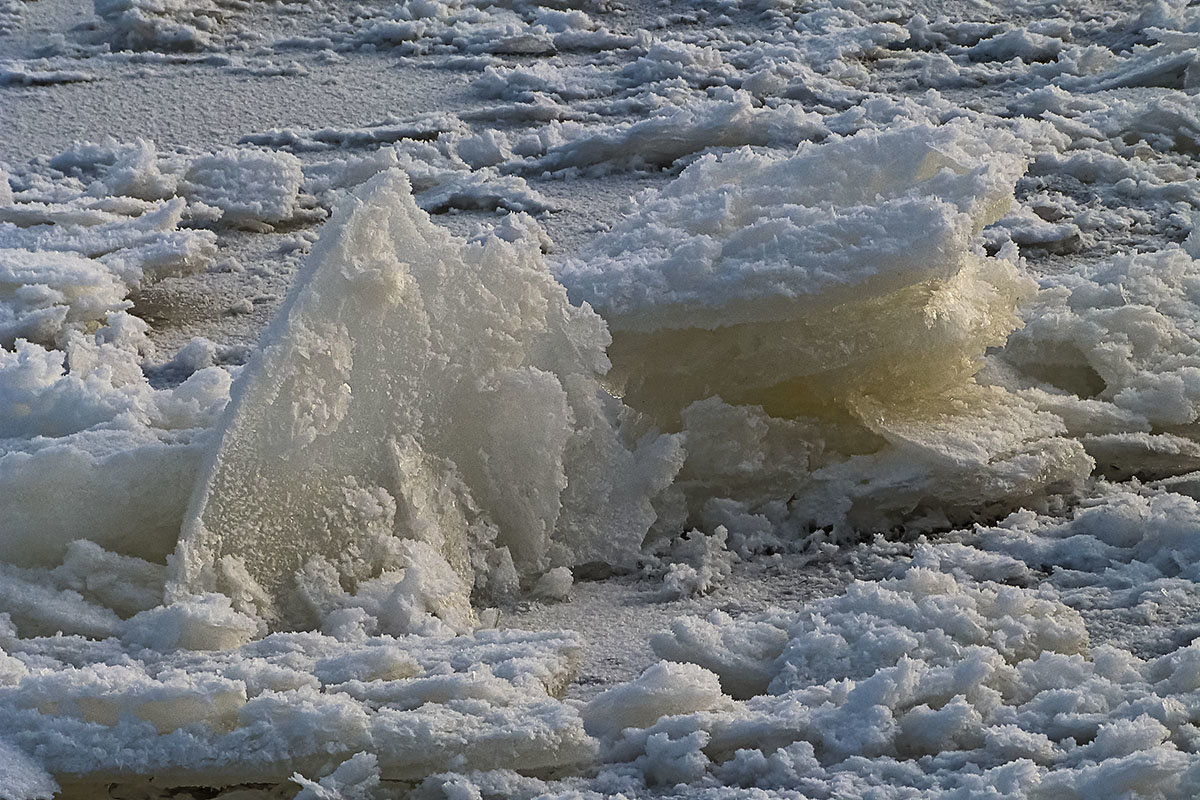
[(420, 405), (88, 448), (101, 712), (963, 671), (933, 684)]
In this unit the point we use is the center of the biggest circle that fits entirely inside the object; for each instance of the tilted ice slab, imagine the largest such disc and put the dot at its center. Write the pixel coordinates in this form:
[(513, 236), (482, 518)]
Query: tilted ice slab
[(92, 713), (671, 134), (845, 269), (68, 266), (108, 218), (417, 388), (813, 324), (134, 240), (242, 187), (88, 448)]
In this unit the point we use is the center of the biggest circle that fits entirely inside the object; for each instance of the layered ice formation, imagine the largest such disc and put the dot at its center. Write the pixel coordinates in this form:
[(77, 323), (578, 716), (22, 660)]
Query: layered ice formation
[(813, 323), (99, 713), (843, 271)]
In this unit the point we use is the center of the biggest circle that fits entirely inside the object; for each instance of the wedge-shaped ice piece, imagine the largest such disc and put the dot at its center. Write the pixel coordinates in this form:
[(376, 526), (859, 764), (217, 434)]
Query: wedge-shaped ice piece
[(414, 387)]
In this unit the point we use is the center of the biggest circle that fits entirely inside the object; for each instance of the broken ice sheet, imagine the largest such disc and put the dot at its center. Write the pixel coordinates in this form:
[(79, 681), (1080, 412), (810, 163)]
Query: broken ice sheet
[(97, 713), (813, 324)]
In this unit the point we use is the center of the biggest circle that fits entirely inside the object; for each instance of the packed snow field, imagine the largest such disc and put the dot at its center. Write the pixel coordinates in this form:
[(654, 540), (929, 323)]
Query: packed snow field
[(577, 399)]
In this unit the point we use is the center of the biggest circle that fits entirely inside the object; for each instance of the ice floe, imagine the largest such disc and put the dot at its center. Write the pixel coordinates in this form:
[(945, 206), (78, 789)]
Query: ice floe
[(902, 268)]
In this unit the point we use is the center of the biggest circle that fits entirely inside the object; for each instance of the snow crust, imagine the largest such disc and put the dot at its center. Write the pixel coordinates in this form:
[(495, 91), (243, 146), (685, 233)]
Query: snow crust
[(97, 712)]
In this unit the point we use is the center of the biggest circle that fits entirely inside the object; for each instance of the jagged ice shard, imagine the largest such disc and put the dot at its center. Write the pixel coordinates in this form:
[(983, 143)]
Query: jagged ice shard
[(423, 411)]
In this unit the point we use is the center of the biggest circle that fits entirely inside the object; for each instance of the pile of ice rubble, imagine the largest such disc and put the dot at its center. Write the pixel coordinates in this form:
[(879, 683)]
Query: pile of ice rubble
[(431, 427), (846, 354), (449, 391), (89, 447), (966, 674)]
